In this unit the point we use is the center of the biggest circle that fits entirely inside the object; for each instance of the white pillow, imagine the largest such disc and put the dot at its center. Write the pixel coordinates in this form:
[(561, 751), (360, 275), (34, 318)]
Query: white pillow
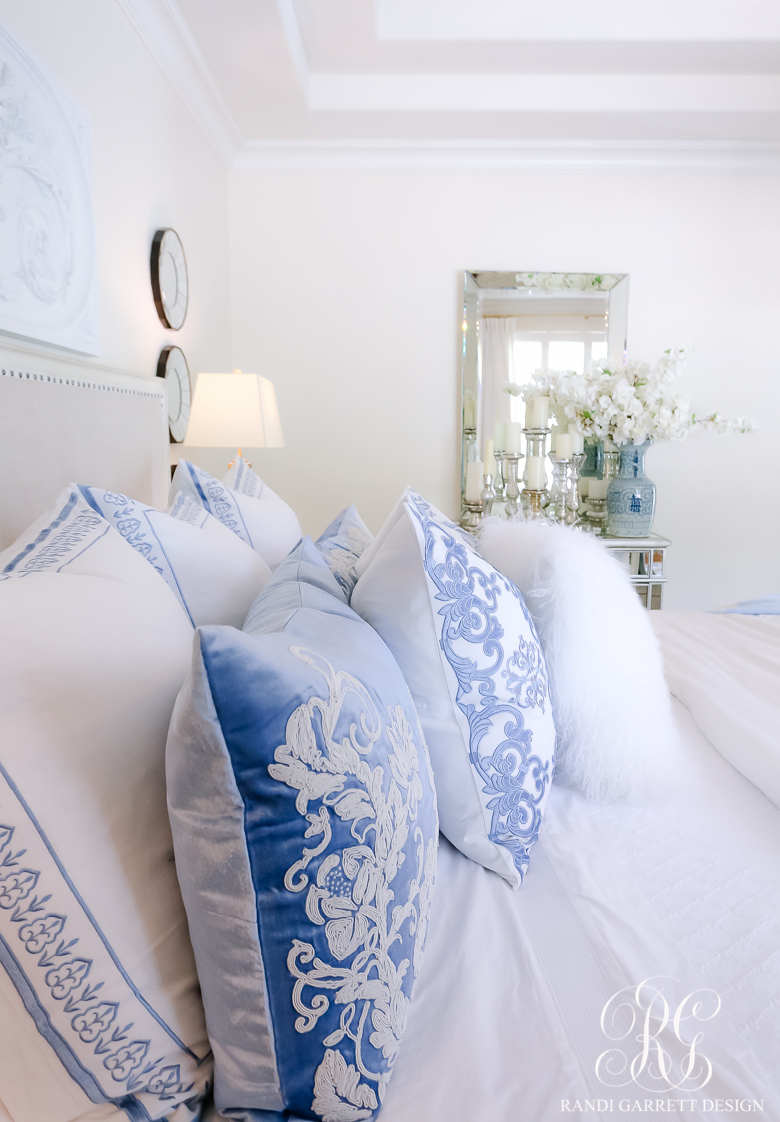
[(465, 643), (612, 706), (99, 998), (214, 576), (256, 514)]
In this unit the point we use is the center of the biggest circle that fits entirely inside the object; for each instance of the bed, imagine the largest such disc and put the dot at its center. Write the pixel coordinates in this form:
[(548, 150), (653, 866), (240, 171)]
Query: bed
[(530, 1004)]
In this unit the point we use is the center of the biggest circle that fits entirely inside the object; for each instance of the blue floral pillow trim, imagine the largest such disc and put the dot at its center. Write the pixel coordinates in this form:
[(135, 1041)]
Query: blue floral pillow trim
[(490, 643)]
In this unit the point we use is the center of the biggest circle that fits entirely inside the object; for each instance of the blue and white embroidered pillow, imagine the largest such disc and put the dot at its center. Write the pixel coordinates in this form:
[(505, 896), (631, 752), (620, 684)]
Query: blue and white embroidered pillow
[(213, 575), (100, 1013), (60, 536), (342, 543), (305, 827), (466, 644), (255, 514), (240, 477)]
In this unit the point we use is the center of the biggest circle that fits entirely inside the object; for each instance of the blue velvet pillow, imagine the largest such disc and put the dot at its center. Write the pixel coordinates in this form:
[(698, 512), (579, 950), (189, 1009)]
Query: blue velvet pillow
[(342, 544), (305, 827)]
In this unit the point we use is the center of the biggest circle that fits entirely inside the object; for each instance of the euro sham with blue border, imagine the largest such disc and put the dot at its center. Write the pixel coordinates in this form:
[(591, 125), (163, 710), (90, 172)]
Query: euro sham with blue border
[(82, 1000)]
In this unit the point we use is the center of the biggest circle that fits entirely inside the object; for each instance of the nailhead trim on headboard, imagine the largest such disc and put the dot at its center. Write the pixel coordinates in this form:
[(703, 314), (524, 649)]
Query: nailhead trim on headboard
[(80, 383)]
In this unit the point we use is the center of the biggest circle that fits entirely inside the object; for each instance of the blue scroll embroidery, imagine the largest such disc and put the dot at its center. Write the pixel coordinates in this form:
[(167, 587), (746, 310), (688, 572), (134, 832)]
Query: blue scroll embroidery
[(495, 686)]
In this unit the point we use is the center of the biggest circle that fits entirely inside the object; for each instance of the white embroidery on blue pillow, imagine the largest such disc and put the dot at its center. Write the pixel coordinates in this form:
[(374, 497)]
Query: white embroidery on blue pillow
[(352, 895)]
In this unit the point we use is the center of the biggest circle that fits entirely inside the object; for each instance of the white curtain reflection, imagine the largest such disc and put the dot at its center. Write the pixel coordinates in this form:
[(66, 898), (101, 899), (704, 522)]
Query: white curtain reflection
[(497, 336)]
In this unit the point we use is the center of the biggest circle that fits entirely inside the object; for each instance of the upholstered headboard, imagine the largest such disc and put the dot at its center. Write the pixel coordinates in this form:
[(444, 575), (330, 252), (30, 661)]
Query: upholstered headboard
[(56, 428)]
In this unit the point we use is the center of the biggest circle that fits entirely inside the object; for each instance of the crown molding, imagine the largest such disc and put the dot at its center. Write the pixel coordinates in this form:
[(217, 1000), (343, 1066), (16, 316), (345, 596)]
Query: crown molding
[(585, 155), (545, 93), (164, 31)]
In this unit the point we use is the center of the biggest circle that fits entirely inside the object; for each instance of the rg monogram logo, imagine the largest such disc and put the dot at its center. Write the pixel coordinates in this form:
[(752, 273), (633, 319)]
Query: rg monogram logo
[(668, 1055)]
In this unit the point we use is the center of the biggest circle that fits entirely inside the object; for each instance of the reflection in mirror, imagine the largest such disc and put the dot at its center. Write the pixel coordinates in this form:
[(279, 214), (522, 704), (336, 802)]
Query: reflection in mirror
[(514, 324)]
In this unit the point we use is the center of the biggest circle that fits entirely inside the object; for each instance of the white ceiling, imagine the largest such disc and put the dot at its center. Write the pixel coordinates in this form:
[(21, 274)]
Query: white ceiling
[(475, 82)]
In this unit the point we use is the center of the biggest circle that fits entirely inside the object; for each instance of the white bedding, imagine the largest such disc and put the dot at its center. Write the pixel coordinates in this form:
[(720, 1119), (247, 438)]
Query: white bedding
[(505, 1023), (726, 670)]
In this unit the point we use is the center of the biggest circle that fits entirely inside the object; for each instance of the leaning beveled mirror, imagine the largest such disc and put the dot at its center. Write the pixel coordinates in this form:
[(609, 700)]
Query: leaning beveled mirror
[(515, 323)]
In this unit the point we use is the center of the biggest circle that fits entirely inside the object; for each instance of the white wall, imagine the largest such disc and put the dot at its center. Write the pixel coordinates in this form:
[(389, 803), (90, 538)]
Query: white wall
[(152, 168), (345, 292)]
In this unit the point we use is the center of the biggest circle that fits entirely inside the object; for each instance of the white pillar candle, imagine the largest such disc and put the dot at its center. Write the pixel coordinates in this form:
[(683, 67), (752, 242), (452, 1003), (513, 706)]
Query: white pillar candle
[(499, 434), (513, 437), (598, 489), (474, 474), (563, 447), (537, 412), (578, 440), (490, 458), (536, 475)]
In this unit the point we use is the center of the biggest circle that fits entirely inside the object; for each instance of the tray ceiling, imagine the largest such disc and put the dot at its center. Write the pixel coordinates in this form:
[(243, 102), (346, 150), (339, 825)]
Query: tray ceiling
[(488, 81)]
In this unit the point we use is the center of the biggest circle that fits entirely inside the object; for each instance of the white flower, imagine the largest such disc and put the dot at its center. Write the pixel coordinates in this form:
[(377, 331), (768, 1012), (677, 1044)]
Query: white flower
[(630, 402)]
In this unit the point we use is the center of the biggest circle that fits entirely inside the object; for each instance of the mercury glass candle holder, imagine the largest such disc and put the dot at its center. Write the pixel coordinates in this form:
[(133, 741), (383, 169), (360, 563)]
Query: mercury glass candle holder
[(470, 516), (499, 483), (559, 489), (488, 495), (511, 461), (595, 518), (536, 502), (573, 494), (535, 445), (611, 465)]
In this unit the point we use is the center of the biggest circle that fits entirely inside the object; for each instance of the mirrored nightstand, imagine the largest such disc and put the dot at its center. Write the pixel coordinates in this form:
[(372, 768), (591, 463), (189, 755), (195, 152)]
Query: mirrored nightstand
[(644, 559)]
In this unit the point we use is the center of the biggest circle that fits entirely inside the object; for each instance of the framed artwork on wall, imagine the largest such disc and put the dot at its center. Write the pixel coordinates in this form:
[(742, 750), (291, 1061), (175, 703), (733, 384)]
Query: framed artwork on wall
[(48, 273)]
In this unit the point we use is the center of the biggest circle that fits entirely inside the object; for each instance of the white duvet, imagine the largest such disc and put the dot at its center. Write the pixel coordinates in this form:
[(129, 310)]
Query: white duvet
[(725, 669)]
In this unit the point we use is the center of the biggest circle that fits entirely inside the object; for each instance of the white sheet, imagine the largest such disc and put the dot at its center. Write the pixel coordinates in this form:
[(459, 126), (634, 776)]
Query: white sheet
[(505, 1024), (712, 877), (726, 670)]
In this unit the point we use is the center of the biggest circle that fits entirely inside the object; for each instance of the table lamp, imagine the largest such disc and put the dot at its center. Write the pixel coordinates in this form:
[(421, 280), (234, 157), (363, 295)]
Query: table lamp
[(232, 411)]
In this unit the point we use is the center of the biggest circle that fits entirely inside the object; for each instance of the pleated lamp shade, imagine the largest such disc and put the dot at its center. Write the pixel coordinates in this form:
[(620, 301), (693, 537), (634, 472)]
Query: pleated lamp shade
[(234, 410)]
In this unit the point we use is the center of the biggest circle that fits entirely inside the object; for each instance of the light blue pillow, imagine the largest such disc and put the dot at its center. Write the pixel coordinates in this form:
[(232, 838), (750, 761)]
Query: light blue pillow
[(305, 828), (342, 544), (467, 646)]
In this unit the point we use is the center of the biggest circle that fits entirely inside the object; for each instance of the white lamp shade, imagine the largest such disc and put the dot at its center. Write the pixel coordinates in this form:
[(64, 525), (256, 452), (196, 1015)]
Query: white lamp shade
[(234, 410)]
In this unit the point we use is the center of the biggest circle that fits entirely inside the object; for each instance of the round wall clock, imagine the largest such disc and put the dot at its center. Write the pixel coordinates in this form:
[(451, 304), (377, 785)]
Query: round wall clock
[(170, 284), (172, 366)]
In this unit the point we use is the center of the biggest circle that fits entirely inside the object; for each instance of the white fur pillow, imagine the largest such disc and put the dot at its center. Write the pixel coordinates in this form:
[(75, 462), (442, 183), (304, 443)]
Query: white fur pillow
[(616, 735)]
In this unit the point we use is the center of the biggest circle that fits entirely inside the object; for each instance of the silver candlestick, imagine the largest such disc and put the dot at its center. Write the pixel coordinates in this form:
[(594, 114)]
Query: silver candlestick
[(512, 460), (559, 490), (488, 495), (500, 480), (535, 446), (573, 494), (469, 519), (536, 501)]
